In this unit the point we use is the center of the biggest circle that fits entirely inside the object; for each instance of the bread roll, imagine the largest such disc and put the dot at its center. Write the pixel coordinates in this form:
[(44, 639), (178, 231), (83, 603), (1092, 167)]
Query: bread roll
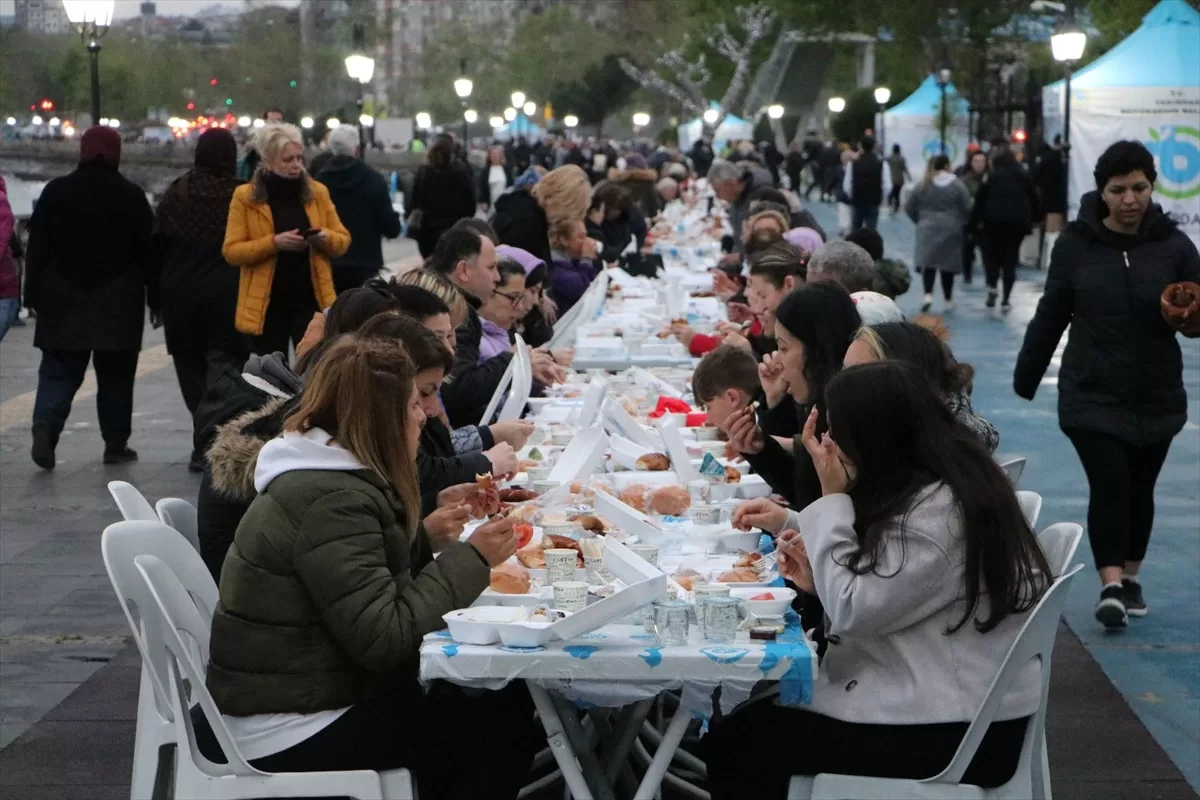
[(733, 475), (670, 501), (510, 579), (653, 462)]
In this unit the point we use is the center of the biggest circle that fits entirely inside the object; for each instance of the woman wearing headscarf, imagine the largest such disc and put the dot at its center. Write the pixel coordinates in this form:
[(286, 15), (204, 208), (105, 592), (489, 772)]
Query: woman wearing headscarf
[(89, 277), (199, 290)]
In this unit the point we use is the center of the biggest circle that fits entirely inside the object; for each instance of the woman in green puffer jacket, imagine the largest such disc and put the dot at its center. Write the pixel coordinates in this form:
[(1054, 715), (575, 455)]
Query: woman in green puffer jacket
[(330, 586)]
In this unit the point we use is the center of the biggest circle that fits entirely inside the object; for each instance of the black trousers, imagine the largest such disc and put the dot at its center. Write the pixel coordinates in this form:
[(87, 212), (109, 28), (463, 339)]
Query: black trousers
[(969, 244), (352, 277), (60, 375), (286, 321), (893, 197), (457, 745), (928, 276), (1121, 481), (1001, 245), (755, 751)]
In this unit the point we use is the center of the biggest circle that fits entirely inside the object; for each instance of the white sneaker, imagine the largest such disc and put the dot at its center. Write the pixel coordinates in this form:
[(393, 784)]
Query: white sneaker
[(949, 305), (926, 303)]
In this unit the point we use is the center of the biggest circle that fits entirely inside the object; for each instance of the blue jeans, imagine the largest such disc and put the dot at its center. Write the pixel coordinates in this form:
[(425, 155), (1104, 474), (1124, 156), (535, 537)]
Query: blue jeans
[(865, 217), (9, 307)]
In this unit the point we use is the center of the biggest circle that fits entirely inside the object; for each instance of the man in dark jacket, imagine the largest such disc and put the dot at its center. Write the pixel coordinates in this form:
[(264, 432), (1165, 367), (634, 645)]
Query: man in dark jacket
[(361, 197), (90, 277), (866, 182), (468, 260)]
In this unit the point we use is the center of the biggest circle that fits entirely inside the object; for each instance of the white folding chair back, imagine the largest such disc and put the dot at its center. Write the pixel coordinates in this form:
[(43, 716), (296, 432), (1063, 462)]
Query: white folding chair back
[(1036, 640), (522, 383), (505, 381), (1014, 468), (131, 503), (120, 544), (1059, 543), (1031, 509), (180, 515), (171, 618)]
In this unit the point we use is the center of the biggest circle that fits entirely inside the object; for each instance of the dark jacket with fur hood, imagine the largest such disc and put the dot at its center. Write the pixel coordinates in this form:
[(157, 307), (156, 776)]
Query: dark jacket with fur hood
[(233, 422), (641, 183)]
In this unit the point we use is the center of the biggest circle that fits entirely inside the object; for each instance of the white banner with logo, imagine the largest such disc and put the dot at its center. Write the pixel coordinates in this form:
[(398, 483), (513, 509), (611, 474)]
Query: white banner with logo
[(919, 139), (1166, 120)]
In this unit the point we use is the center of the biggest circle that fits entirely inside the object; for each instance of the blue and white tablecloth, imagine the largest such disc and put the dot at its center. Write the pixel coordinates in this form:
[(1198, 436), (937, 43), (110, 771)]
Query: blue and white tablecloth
[(621, 664)]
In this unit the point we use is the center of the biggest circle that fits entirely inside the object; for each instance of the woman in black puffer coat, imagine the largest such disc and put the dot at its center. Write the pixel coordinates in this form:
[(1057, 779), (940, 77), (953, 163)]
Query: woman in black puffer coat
[(1120, 388)]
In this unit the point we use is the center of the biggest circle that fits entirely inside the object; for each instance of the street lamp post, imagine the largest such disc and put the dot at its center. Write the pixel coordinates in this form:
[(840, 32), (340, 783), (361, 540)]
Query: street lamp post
[(1067, 46), (570, 121), (640, 120), (836, 106), (882, 95), (943, 80), (462, 87), (91, 19), (361, 68)]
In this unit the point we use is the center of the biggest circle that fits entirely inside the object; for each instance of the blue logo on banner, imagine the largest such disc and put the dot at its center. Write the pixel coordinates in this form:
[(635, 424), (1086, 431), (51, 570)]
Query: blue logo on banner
[(725, 655), (580, 651), (652, 656), (451, 650)]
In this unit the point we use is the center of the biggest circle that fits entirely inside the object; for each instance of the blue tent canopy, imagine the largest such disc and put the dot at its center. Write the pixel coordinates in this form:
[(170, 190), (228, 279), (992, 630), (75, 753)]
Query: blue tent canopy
[(1163, 51), (927, 99)]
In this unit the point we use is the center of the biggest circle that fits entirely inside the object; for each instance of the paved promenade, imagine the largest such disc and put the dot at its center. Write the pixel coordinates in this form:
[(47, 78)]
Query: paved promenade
[(1124, 719)]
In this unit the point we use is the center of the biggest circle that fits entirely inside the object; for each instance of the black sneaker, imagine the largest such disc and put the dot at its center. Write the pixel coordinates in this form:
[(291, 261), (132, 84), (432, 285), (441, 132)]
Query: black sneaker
[(1111, 608), (121, 455), (1131, 592), (1006, 307), (44, 442), (991, 298)]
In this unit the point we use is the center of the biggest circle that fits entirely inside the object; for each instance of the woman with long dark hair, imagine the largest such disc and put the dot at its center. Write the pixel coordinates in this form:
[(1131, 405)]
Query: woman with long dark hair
[(1004, 212), (927, 570), (443, 192), (1121, 397)]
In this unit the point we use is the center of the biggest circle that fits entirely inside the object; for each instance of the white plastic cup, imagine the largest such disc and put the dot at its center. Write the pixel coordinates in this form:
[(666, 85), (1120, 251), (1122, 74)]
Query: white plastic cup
[(570, 596), (649, 552), (560, 564)]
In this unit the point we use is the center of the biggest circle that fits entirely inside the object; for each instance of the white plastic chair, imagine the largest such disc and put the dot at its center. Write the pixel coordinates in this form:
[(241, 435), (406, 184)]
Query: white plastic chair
[(1014, 468), (196, 776), (131, 503), (1031, 508), (1059, 542), (180, 515), (1036, 640), (120, 544)]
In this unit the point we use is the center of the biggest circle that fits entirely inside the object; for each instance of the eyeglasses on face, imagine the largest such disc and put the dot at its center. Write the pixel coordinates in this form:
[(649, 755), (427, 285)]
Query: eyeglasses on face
[(515, 299)]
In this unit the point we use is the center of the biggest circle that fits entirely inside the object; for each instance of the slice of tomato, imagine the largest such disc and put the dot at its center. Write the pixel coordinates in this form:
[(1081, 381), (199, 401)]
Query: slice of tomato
[(763, 596), (524, 532)]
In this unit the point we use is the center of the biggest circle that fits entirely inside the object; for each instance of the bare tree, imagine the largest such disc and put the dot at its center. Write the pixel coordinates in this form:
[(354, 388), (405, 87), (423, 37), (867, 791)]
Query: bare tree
[(688, 78)]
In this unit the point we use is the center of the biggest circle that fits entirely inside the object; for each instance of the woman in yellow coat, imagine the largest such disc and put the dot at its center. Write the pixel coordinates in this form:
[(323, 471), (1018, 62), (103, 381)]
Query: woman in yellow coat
[(282, 231)]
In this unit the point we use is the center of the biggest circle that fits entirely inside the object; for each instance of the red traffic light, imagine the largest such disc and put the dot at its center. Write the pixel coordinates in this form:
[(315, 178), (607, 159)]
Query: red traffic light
[(213, 82), (191, 106)]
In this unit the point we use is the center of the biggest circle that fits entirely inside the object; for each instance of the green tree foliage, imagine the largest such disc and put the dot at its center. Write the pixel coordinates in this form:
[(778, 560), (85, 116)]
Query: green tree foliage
[(859, 115), (603, 89)]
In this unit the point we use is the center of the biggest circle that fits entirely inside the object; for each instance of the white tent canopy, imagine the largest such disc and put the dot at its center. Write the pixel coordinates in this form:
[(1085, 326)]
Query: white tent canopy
[(1146, 88), (914, 124), (730, 128)]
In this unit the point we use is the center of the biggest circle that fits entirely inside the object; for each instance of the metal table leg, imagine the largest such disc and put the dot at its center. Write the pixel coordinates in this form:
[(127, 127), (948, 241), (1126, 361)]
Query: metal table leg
[(560, 745), (662, 757), (589, 765)]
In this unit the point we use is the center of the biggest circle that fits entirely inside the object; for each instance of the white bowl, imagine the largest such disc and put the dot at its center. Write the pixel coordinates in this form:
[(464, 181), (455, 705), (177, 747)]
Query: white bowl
[(739, 541), (561, 529), (705, 515), (752, 486), (561, 439), (478, 625), (524, 634), (766, 608), (706, 433), (722, 492)]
